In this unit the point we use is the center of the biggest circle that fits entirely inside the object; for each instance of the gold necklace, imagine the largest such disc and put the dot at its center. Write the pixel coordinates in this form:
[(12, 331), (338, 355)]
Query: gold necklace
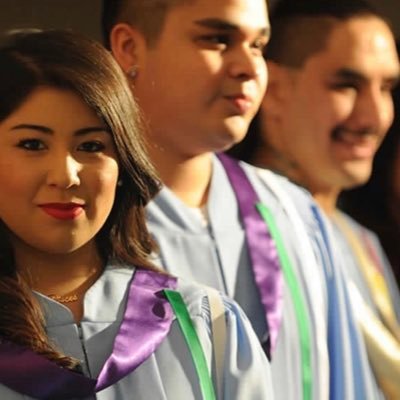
[(64, 299)]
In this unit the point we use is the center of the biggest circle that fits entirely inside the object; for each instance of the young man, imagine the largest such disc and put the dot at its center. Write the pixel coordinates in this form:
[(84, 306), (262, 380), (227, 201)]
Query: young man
[(197, 70), (332, 67)]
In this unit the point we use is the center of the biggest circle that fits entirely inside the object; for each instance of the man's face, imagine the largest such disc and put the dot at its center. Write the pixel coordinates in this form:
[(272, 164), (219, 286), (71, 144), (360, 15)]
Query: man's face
[(337, 107), (203, 81)]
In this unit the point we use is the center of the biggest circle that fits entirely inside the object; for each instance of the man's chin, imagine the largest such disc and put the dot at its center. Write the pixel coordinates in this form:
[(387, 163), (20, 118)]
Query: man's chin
[(228, 140), (236, 128), (356, 176)]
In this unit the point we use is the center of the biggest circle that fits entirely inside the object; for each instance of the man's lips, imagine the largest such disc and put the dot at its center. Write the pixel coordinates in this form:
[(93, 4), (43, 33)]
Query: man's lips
[(358, 144), (241, 102), (63, 211)]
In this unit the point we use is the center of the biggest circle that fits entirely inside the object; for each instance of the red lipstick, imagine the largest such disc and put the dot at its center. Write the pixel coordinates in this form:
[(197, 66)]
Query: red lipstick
[(62, 211)]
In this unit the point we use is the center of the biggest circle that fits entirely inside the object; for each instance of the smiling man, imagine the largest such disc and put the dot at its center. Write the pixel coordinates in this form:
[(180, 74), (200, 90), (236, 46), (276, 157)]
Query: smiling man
[(329, 101), (332, 68), (196, 68)]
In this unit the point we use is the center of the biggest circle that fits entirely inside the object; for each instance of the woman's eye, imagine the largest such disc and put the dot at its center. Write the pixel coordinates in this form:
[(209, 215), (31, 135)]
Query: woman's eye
[(92, 146), (31, 144)]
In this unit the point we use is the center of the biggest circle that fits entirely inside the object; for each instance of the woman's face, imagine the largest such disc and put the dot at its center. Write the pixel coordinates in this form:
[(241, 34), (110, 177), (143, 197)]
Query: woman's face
[(58, 172)]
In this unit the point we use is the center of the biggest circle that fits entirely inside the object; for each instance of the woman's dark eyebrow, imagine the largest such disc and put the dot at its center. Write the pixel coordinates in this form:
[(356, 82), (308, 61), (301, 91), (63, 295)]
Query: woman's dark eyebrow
[(49, 131), (92, 129), (33, 127)]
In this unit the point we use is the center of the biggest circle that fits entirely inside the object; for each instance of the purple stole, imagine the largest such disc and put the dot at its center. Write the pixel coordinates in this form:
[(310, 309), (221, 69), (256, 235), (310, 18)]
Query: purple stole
[(262, 249), (146, 323)]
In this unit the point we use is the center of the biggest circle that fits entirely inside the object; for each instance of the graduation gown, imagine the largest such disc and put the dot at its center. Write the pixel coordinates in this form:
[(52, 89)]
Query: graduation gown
[(166, 372), (215, 253), (375, 298)]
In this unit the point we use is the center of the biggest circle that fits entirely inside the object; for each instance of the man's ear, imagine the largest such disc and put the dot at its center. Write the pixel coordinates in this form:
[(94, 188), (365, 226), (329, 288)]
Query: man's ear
[(128, 46), (275, 98)]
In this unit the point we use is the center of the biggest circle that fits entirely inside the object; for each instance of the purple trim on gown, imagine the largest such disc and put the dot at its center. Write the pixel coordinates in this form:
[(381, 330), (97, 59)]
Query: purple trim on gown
[(146, 323), (262, 250)]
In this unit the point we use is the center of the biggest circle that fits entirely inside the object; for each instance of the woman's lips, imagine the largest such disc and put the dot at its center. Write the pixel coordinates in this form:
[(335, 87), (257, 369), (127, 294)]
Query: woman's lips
[(63, 211)]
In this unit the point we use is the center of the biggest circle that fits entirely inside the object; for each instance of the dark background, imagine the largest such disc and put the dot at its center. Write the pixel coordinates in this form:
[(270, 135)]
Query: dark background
[(80, 15), (84, 15)]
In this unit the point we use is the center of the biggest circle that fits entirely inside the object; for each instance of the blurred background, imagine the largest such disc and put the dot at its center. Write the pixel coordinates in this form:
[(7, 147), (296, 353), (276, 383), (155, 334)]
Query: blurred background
[(83, 15)]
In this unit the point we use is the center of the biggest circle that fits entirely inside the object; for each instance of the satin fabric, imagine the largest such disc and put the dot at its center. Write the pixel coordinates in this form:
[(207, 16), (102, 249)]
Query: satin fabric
[(146, 322), (246, 370), (262, 249), (216, 254)]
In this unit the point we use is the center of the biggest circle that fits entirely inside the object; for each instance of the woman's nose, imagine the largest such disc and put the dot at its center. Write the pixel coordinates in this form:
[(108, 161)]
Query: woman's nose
[(63, 172)]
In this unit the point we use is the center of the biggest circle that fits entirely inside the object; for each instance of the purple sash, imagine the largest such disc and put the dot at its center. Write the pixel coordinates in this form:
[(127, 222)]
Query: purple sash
[(147, 321), (262, 249)]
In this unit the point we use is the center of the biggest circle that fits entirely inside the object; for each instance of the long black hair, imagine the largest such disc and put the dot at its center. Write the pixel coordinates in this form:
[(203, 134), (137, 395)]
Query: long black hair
[(64, 60)]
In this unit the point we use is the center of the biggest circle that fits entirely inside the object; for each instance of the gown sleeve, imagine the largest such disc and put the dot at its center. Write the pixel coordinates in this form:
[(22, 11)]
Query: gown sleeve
[(245, 371)]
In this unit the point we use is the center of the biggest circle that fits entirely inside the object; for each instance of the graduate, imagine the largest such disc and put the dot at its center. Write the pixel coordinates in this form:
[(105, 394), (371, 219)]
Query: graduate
[(376, 204), (83, 312), (197, 70), (333, 66)]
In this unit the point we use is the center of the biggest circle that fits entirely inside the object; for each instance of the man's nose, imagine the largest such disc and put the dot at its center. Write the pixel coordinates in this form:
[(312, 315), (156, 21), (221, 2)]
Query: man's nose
[(246, 64), (374, 110)]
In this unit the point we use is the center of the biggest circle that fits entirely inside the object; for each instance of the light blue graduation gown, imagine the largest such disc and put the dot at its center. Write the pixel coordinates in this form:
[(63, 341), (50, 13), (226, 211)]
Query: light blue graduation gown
[(353, 269), (216, 254), (168, 374)]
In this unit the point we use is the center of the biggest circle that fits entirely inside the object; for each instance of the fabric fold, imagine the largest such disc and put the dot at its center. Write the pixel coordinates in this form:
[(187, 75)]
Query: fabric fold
[(147, 320)]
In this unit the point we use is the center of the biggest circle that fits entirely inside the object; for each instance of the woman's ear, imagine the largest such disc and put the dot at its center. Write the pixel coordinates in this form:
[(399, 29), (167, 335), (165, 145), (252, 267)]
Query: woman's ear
[(128, 46)]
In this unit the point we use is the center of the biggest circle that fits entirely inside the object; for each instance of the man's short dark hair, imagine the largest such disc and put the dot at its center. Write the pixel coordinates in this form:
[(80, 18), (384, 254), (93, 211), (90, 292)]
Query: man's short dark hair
[(300, 27), (147, 16)]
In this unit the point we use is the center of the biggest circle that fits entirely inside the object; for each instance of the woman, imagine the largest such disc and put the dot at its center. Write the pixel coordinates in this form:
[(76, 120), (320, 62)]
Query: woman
[(83, 314)]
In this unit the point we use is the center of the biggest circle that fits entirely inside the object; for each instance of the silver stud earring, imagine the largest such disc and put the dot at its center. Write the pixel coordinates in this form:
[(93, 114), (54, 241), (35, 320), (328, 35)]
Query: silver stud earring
[(132, 71), (120, 182)]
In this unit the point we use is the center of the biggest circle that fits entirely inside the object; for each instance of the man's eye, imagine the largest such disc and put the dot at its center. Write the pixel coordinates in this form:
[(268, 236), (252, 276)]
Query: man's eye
[(92, 146), (223, 39), (260, 44), (216, 40), (388, 87), (345, 86), (31, 144)]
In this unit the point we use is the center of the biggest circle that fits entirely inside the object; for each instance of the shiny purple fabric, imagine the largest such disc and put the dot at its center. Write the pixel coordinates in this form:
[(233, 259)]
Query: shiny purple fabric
[(262, 249), (147, 321), (33, 375)]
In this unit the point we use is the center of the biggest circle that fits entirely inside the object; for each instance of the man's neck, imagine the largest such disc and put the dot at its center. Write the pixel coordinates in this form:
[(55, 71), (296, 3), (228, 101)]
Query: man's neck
[(268, 157), (189, 178), (327, 200)]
